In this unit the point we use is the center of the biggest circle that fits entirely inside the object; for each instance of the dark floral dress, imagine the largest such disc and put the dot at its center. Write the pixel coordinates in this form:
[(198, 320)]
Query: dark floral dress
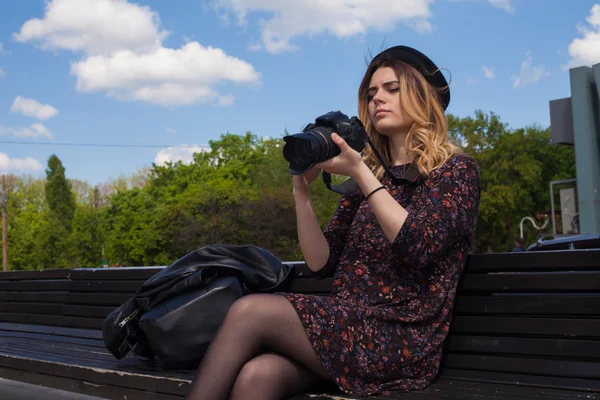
[(382, 328)]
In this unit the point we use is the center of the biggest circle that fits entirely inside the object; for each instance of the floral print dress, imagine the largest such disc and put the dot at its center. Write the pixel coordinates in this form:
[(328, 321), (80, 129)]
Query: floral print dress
[(383, 326)]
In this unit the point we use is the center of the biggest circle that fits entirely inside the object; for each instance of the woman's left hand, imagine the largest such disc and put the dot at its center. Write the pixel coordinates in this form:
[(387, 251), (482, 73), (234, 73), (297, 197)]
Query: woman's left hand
[(346, 163)]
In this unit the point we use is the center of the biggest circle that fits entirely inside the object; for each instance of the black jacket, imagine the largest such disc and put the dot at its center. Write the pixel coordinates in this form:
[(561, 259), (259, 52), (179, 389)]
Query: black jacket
[(179, 309)]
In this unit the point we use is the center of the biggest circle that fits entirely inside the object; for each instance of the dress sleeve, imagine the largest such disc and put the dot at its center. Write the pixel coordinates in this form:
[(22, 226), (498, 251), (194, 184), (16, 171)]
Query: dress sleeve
[(337, 231), (446, 214)]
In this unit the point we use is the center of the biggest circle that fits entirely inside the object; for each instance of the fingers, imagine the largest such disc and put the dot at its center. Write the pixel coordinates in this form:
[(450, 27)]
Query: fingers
[(324, 165), (341, 143)]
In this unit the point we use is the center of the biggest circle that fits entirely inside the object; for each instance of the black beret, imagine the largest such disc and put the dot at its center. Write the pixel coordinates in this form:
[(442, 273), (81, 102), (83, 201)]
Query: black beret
[(423, 64)]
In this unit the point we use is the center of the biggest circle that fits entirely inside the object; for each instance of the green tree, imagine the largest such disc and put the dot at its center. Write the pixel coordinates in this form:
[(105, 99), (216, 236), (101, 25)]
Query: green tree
[(59, 193), (53, 245), (87, 238), (516, 168), (25, 206), (132, 237)]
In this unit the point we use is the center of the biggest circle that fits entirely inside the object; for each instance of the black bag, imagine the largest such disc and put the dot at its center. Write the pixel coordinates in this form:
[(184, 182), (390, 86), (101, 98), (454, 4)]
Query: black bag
[(176, 313)]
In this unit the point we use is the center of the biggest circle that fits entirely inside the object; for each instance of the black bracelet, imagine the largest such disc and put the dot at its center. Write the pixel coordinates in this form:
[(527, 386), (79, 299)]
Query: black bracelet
[(369, 195)]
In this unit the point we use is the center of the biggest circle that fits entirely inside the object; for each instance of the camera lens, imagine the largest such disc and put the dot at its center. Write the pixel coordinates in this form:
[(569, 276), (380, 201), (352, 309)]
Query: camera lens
[(303, 152)]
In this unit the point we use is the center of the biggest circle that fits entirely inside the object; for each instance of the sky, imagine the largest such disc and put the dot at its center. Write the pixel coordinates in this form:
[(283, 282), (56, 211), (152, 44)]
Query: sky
[(149, 81)]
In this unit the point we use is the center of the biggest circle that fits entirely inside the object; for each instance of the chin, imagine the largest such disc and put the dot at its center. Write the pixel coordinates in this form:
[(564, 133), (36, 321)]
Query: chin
[(387, 129)]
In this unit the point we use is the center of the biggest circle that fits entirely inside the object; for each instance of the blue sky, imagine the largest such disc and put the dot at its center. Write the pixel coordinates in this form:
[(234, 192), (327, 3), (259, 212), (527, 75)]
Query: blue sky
[(183, 72)]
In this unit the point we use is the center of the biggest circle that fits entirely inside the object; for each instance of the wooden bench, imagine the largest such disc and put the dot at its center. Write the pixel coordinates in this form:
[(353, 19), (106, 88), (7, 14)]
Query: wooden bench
[(526, 325)]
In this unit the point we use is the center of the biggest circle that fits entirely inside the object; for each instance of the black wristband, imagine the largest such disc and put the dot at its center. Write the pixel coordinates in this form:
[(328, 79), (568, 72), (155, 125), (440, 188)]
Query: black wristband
[(369, 195)]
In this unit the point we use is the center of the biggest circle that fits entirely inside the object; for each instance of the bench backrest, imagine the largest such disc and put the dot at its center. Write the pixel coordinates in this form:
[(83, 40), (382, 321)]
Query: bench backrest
[(532, 318), (529, 317)]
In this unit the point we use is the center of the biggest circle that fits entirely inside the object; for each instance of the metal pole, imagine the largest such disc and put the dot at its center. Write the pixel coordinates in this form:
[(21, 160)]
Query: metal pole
[(4, 228), (586, 130), (552, 209)]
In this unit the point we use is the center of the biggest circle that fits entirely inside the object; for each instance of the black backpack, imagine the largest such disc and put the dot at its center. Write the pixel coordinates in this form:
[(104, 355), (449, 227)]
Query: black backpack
[(175, 314)]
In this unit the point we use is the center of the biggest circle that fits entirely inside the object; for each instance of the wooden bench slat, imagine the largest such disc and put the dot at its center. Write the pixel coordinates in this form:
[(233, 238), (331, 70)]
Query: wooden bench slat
[(32, 308), (531, 346), (53, 338), (116, 372), (89, 311), (575, 327), (533, 282), (35, 285), (121, 274), (87, 286), (35, 274), (37, 297), (529, 305), (542, 366), (12, 327), (320, 286), (462, 389), (78, 332), (70, 322), (60, 352), (300, 270), (588, 386), (534, 261), (83, 387), (108, 299), (53, 330)]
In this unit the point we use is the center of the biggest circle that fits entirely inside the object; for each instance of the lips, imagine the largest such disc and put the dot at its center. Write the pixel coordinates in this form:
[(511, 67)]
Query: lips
[(380, 112)]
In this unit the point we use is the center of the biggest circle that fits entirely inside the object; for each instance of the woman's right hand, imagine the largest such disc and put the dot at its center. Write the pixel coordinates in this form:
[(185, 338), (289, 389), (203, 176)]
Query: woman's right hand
[(302, 182)]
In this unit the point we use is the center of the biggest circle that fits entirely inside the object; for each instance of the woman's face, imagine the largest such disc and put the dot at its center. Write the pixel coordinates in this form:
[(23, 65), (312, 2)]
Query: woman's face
[(386, 113)]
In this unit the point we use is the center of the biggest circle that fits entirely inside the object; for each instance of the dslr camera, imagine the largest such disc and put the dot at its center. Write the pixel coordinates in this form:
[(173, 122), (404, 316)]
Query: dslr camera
[(315, 145)]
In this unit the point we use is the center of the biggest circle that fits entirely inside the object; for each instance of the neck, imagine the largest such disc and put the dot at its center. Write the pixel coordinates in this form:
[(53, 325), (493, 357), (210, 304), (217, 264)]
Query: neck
[(398, 149)]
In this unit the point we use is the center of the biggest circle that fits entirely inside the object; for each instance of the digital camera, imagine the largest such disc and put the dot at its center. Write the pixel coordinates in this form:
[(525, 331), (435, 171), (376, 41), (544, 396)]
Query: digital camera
[(315, 145)]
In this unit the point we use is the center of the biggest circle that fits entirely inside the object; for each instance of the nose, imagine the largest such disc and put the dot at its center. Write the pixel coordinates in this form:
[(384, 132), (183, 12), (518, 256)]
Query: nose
[(378, 98)]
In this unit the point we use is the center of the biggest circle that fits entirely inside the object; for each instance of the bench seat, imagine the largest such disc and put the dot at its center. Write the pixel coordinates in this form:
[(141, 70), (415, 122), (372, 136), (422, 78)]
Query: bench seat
[(525, 326), (76, 360)]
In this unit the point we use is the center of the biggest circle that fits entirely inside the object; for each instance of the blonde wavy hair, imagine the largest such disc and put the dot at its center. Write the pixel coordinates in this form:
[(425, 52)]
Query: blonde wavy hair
[(427, 140)]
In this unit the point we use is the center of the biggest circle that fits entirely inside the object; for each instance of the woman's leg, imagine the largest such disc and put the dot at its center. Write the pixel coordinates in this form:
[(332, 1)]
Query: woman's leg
[(272, 376), (254, 324)]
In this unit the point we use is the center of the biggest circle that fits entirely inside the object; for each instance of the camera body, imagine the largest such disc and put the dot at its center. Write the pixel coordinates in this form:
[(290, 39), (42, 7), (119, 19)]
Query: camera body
[(315, 145)]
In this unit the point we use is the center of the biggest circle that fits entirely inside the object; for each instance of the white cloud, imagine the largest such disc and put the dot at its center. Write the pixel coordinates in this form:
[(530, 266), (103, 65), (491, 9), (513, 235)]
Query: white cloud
[(226, 100), (422, 26), (1, 47), (33, 108), (505, 5), (341, 18), (8, 164), (94, 26), (170, 130), (125, 57), (165, 76), (529, 74), (34, 130), (488, 73), (472, 81), (586, 49), (2, 72), (174, 154)]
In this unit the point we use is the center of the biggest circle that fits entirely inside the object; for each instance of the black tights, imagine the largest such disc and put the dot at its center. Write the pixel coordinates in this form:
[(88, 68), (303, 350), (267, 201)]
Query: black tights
[(260, 352)]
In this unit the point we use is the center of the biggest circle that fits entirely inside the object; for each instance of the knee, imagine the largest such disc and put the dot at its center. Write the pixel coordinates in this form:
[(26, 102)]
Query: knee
[(256, 373), (246, 306)]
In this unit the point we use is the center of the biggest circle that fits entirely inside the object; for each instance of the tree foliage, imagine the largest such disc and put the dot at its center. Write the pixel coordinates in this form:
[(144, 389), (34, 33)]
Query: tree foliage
[(239, 191)]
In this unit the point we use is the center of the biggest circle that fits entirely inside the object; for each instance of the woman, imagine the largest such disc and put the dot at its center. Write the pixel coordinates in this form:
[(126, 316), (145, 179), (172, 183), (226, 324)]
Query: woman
[(397, 246)]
